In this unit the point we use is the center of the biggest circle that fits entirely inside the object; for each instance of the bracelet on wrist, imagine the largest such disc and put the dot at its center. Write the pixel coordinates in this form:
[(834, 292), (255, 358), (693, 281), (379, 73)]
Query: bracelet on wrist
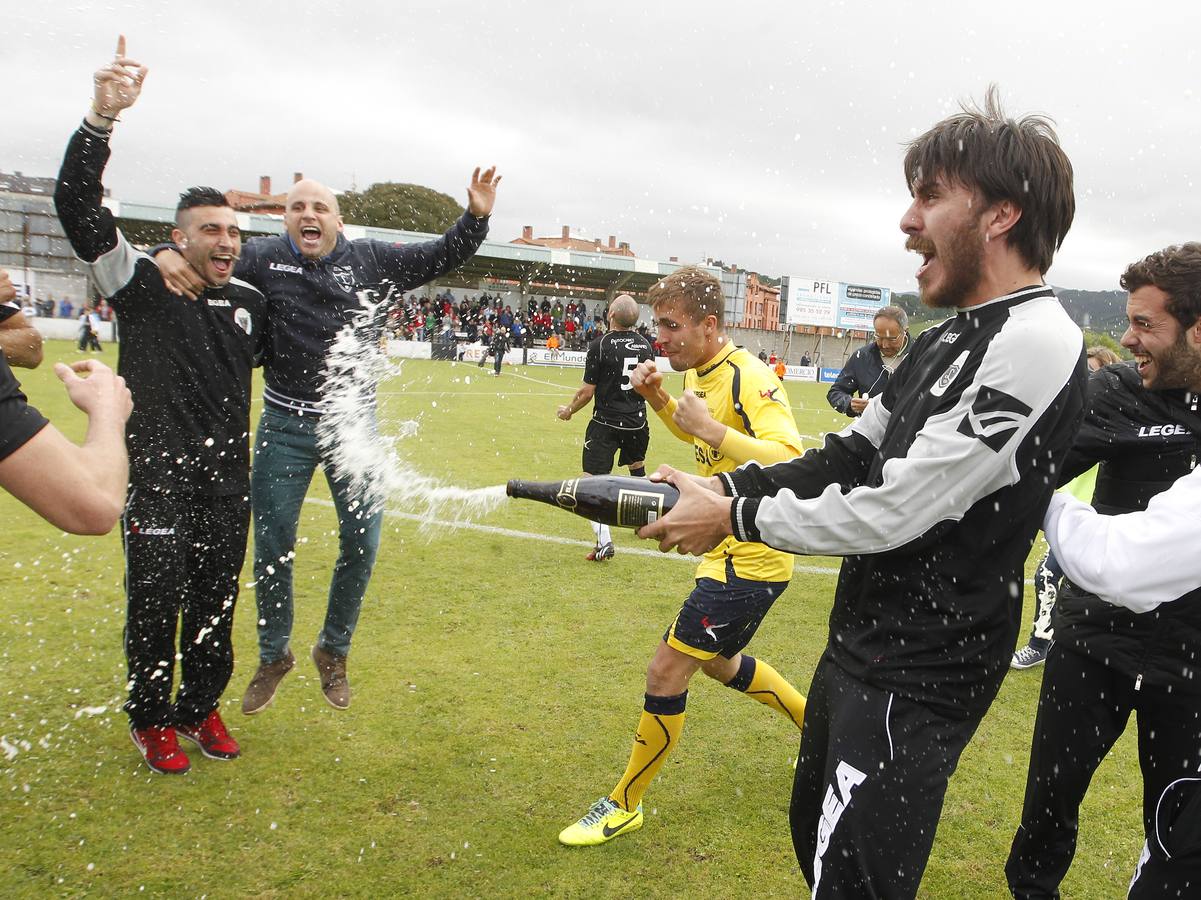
[(101, 115)]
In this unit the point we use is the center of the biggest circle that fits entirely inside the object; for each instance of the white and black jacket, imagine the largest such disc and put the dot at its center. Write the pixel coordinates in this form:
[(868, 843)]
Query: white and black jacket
[(934, 496)]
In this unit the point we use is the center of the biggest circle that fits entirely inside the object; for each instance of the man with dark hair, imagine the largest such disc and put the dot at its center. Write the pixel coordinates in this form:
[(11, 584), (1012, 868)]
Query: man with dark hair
[(732, 410), (1112, 655), (867, 371), (933, 497), (618, 423), (188, 366), (312, 277)]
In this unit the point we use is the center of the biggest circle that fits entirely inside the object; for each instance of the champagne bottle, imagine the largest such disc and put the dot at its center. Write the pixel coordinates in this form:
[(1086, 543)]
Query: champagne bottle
[(608, 499)]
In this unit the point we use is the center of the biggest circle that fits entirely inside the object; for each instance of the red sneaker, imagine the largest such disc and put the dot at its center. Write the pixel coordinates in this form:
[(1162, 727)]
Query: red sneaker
[(160, 749), (211, 737)]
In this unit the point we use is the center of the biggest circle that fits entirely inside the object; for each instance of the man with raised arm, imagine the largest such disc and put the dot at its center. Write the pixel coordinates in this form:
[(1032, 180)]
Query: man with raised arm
[(732, 410), (933, 497), (312, 276), (188, 366)]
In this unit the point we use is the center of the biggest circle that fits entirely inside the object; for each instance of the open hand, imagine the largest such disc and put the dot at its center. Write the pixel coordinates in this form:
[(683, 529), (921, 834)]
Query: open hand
[(481, 193)]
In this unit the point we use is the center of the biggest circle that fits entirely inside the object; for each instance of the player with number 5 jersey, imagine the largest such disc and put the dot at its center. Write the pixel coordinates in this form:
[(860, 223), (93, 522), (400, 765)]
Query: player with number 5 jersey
[(619, 422)]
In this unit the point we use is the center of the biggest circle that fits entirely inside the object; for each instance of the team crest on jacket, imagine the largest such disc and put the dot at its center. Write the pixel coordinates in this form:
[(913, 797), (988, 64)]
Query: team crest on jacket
[(243, 320), (994, 418), (344, 275)]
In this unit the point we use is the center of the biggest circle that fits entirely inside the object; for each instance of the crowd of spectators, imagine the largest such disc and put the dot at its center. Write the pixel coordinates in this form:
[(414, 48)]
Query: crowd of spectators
[(475, 319), (65, 308)]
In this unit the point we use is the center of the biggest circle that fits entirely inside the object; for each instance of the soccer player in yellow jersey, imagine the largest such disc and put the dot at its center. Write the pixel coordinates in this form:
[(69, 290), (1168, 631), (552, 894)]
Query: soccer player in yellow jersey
[(733, 410)]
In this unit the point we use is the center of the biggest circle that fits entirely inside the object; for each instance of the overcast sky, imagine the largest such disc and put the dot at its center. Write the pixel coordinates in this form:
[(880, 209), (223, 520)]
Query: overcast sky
[(769, 135)]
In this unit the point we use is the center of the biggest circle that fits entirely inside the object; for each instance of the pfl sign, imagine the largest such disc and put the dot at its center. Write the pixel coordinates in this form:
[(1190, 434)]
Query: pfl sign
[(821, 287)]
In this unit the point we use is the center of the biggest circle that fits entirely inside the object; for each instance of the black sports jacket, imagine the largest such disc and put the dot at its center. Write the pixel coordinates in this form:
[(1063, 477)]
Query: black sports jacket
[(187, 363), (1144, 441), (308, 301)]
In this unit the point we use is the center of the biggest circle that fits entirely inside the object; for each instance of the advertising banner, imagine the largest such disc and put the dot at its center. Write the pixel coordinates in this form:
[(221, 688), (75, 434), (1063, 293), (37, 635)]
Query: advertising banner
[(831, 304)]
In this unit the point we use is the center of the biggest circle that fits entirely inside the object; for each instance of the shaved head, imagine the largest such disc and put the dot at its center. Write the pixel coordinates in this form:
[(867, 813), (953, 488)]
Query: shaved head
[(623, 312), (311, 218), (314, 190)]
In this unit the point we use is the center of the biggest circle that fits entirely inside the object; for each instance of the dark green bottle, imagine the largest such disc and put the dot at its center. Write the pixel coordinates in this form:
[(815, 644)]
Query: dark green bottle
[(608, 499)]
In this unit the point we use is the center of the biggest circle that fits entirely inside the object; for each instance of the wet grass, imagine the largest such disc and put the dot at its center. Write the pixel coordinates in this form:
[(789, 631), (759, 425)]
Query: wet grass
[(496, 680)]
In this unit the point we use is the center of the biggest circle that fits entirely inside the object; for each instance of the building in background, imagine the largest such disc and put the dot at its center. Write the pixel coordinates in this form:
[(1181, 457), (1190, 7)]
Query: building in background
[(33, 247)]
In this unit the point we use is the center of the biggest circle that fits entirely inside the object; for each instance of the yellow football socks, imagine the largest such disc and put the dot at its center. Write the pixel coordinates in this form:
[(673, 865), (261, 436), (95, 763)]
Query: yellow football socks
[(658, 733), (757, 679)]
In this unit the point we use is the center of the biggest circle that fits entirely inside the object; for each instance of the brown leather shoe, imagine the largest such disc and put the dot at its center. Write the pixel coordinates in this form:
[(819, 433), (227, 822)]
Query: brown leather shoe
[(261, 690), (334, 684)]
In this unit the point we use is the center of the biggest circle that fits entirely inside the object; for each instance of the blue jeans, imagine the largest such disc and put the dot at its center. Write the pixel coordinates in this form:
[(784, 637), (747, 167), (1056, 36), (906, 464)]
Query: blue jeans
[(284, 459)]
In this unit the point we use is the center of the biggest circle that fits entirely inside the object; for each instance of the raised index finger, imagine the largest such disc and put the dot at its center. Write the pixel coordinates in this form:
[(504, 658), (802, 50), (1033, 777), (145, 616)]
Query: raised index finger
[(120, 46)]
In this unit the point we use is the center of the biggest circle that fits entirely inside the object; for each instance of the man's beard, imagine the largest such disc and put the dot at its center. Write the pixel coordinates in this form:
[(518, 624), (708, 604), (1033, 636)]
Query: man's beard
[(1177, 367), (962, 261)]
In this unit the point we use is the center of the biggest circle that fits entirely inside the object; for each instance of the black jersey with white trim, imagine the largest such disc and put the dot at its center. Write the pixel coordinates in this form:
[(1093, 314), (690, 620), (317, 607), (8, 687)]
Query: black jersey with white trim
[(1144, 441), (187, 363), (610, 360), (934, 496)]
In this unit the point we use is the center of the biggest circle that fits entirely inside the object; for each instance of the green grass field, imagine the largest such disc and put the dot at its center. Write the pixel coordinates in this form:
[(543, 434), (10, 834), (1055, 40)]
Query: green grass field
[(497, 679)]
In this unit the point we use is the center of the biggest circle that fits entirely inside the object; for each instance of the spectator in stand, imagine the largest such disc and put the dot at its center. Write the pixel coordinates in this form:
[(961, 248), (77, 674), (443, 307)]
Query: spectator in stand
[(762, 356), (66, 308), (556, 314), (866, 372), (569, 328), (805, 360)]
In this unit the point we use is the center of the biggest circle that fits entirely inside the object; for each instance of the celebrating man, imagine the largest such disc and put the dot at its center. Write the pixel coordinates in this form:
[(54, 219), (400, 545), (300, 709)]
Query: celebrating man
[(312, 276), (744, 415), (933, 496), (1120, 647), (188, 366)]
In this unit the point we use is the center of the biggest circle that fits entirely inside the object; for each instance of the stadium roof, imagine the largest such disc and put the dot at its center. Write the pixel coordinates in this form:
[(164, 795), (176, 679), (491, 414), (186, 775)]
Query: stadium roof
[(540, 270)]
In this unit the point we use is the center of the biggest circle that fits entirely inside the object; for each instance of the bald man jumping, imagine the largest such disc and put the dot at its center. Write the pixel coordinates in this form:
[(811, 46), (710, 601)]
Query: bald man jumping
[(311, 276), (619, 415)]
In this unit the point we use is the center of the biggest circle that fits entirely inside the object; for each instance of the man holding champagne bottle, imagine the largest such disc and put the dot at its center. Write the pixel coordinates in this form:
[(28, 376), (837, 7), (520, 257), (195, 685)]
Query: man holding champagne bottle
[(932, 497), (733, 410)]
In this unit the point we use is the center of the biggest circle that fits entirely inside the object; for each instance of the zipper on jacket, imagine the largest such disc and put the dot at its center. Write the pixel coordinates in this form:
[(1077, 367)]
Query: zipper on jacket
[(1138, 681)]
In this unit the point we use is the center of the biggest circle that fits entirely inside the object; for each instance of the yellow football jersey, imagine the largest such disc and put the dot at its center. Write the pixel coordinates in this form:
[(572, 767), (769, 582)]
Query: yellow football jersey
[(743, 394)]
